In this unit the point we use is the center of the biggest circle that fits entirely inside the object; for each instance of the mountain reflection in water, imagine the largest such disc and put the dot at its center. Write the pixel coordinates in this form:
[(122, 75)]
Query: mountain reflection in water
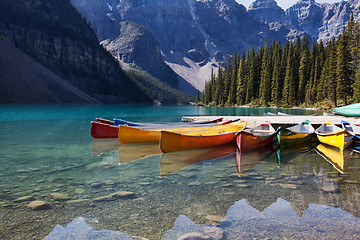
[(241, 221)]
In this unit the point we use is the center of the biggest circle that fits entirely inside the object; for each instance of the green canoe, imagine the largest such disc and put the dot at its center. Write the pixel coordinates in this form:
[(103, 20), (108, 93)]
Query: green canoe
[(352, 110)]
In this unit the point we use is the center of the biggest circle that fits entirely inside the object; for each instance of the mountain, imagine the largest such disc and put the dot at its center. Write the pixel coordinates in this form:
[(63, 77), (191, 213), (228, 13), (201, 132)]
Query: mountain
[(266, 11), (24, 80), (319, 21), (54, 35), (192, 35)]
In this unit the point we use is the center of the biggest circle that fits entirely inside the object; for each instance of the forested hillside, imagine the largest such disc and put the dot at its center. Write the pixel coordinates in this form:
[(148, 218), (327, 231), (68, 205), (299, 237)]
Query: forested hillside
[(291, 75)]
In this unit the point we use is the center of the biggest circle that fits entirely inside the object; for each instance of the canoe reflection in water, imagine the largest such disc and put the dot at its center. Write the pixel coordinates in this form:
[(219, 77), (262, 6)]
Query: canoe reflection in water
[(248, 160), (101, 146), (175, 161), (132, 152), (290, 152), (127, 153), (339, 159)]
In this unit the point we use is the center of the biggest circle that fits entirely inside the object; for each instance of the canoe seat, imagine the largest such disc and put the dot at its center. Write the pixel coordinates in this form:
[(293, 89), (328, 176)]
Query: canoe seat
[(325, 131), (262, 131), (305, 132)]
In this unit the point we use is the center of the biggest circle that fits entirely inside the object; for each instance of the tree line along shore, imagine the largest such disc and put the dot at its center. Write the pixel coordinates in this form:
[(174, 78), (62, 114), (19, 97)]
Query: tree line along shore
[(323, 76)]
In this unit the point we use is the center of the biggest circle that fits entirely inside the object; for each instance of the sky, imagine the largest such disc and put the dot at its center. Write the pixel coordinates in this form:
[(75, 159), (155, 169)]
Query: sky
[(284, 3)]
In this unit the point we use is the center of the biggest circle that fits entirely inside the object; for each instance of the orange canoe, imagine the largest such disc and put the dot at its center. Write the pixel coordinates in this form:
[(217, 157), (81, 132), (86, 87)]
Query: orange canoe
[(177, 141)]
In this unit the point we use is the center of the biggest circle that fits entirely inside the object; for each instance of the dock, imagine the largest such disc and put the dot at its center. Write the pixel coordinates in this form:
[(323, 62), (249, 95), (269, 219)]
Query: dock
[(281, 120)]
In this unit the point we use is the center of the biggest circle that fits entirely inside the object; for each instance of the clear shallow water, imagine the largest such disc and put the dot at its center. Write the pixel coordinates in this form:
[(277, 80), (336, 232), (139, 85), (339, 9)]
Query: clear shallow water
[(46, 153)]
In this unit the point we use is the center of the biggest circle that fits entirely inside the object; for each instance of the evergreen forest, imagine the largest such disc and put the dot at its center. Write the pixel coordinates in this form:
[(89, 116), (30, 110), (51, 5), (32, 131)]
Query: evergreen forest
[(294, 74)]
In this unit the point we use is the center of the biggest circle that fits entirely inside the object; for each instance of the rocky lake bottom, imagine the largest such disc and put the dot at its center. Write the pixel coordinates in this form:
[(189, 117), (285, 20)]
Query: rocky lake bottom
[(58, 183)]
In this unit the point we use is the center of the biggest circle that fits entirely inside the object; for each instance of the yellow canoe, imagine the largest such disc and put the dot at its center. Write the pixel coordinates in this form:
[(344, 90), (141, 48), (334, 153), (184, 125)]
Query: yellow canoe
[(339, 159), (332, 135), (129, 135), (297, 134), (177, 141)]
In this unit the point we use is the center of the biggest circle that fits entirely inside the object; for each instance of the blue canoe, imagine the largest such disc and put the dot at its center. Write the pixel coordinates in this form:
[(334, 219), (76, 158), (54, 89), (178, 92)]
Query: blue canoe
[(352, 110)]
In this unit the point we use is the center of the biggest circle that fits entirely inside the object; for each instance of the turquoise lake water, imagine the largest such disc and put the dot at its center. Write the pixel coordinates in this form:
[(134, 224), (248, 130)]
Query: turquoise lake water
[(47, 154)]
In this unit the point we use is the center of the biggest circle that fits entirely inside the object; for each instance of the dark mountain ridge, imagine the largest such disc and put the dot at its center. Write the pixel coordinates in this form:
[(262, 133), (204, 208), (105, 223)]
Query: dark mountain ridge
[(55, 35)]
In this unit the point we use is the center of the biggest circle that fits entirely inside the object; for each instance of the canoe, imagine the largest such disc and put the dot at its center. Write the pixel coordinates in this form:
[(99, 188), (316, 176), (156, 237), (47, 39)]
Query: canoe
[(175, 161), (297, 134), (352, 110), (275, 114), (353, 130), (339, 159), (103, 130), (257, 137), (106, 121), (140, 135), (332, 135), (133, 124), (177, 141), (356, 149)]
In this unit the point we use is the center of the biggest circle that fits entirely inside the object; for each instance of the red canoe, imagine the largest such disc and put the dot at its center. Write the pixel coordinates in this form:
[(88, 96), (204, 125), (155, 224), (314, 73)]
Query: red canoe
[(103, 130), (256, 137), (106, 121)]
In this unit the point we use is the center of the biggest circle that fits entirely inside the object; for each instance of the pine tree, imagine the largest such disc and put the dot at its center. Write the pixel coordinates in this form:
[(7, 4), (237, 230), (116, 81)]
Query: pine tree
[(288, 92), (219, 86), (276, 81), (241, 78), (198, 97), (251, 80), (233, 85), (265, 80), (328, 74), (227, 81), (356, 87), (343, 71), (304, 74)]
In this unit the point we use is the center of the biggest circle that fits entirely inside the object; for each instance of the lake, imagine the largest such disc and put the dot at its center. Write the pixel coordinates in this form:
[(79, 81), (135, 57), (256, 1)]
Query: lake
[(99, 189)]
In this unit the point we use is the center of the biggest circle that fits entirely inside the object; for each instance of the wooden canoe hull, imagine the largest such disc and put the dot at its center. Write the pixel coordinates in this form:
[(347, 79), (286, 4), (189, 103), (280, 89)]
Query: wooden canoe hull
[(340, 139), (171, 141), (247, 141), (103, 130), (296, 138), (129, 135)]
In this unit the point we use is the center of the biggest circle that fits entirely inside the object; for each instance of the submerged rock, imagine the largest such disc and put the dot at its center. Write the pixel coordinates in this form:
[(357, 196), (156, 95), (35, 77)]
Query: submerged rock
[(60, 196), (123, 195), (214, 233), (195, 183), (39, 205), (214, 220), (194, 236), (24, 199)]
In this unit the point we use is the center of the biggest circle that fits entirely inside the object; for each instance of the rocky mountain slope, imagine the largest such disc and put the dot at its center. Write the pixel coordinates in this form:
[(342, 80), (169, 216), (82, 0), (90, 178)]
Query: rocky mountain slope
[(320, 21), (24, 80), (55, 35), (191, 34)]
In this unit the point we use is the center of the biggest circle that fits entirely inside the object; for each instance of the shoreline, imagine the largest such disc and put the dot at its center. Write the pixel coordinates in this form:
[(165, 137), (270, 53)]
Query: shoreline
[(253, 121)]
